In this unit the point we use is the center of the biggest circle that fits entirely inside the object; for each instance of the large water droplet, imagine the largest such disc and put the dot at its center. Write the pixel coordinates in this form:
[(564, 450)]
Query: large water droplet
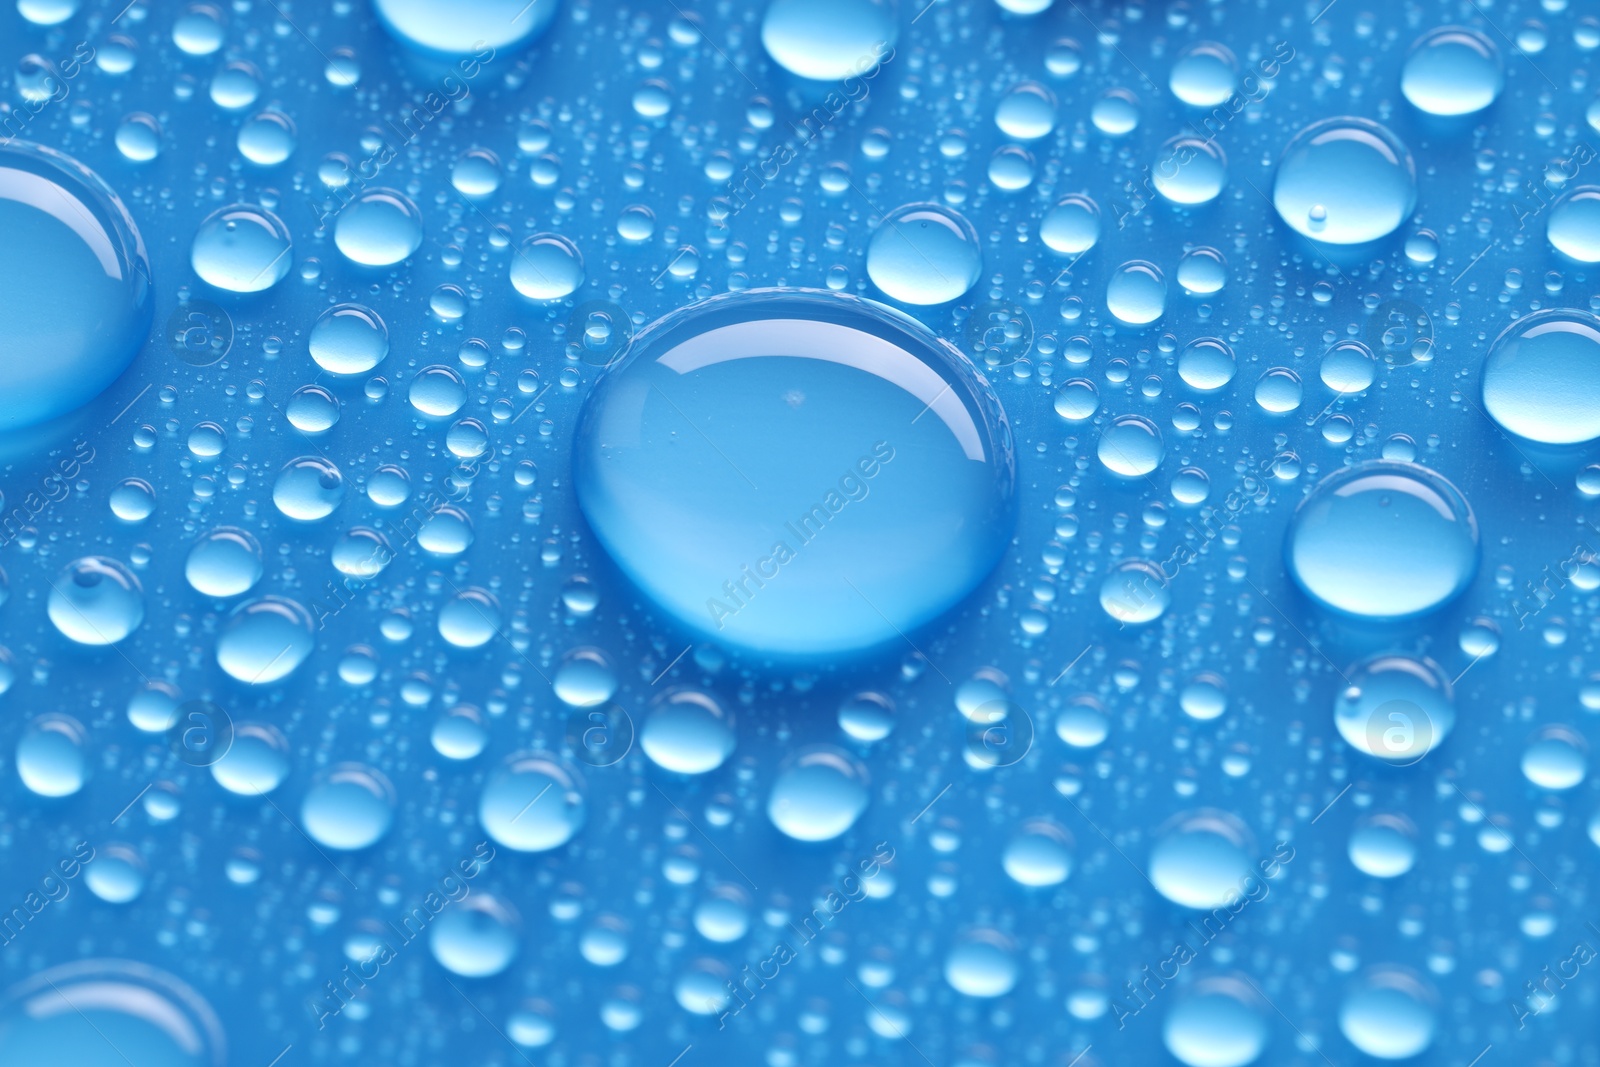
[(1383, 540), (265, 640), (348, 339), (532, 804), (828, 40), (1345, 181), (758, 461), (1396, 708), (50, 756), (1202, 859), (96, 601), (76, 285), (349, 807), (242, 248), (924, 254), (108, 1013), (466, 27), (379, 228), (818, 794), (1541, 380), (1218, 1022), (1452, 71), (1389, 1013), (687, 732), (476, 938)]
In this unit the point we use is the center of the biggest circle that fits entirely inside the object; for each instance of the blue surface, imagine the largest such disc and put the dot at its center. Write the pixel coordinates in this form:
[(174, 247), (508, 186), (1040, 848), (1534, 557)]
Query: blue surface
[(333, 732)]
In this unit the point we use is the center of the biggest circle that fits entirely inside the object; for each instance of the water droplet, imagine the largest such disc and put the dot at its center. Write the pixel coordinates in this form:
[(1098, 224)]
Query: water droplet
[(348, 807), (1383, 845), (1348, 367), (828, 40), (1207, 364), (1202, 859), (348, 339), (1131, 446), (1039, 855), (1190, 170), (116, 875), (1395, 708), (1137, 293), (532, 804), (1389, 1013), (96, 601), (65, 1014), (466, 27), (1345, 181), (1027, 112), (81, 293), (255, 763), (924, 254), (1574, 224), (476, 938), (224, 562), (242, 248), (547, 266), (50, 756), (1383, 540), (1217, 1022), (867, 717), (749, 424), (265, 640), (982, 963), (1204, 74), (380, 228), (1541, 380), (818, 794), (687, 732), (1072, 226), (1557, 757), (1452, 71), (308, 489)]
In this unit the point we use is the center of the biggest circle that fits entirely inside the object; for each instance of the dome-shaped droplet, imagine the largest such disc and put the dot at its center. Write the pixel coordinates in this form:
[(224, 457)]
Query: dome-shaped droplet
[(76, 284), (265, 640), (924, 254), (348, 339), (1452, 71), (1202, 859), (96, 601), (531, 804), (756, 461), (1345, 181), (1395, 708), (687, 732), (818, 794), (1383, 540), (380, 228), (348, 807), (242, 248), (477, 28), (829, 40), (547, 266), (1389, 1013), (1541, 379)]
